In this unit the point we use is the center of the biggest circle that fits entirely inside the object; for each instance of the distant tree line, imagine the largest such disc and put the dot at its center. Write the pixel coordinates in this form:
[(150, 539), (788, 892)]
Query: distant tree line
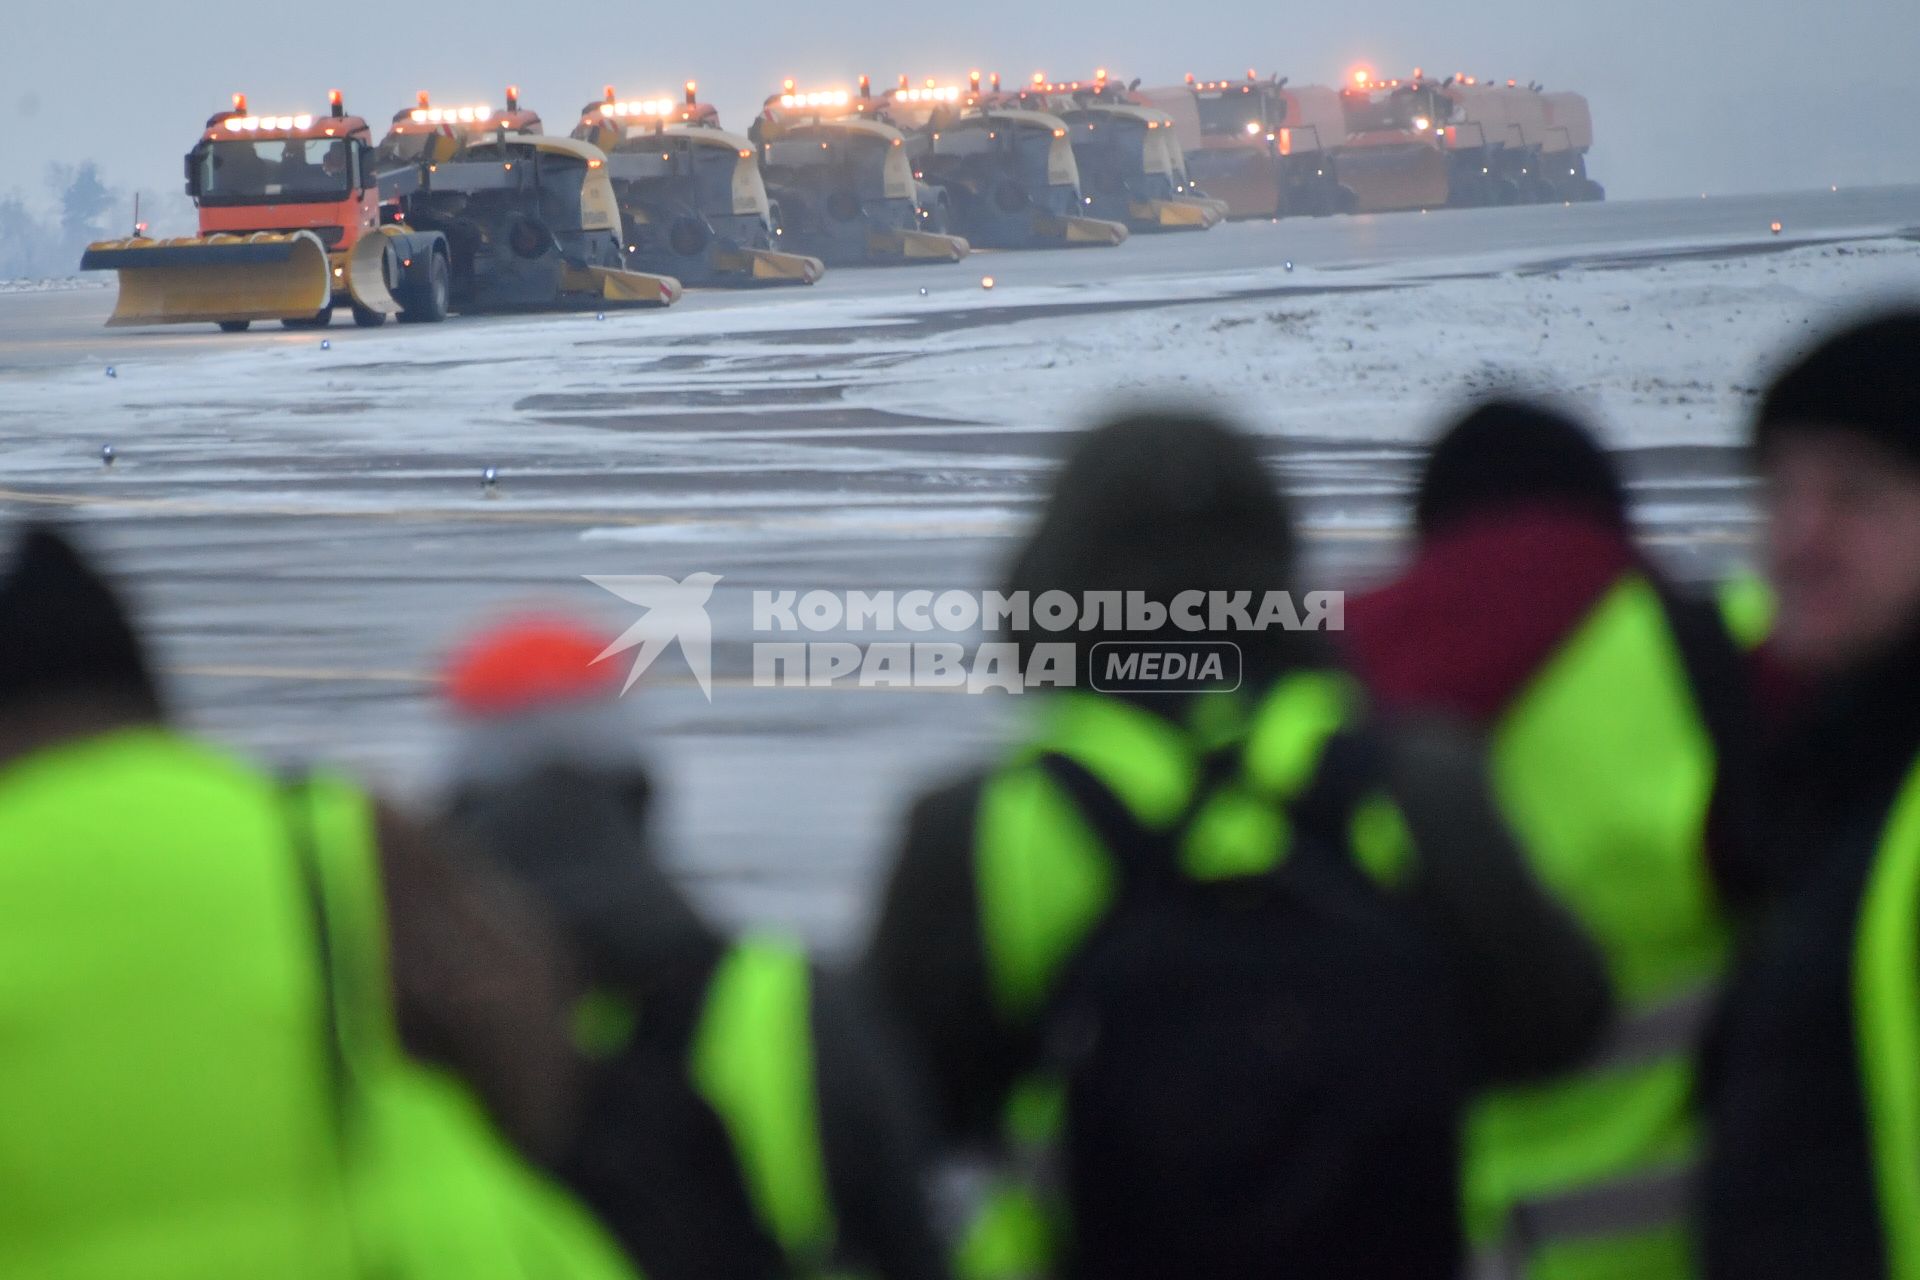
[(85, 209)]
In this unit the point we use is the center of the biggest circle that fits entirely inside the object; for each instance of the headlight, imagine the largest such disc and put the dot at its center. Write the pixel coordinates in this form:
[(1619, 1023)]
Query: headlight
[(1253, 126), (1422, 124)]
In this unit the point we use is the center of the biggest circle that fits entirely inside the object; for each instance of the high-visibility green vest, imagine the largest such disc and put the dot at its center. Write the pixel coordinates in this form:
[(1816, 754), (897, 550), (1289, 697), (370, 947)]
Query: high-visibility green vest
[(1747, 608), (752, 1061), (199, 1080), (1606, 771), (1886, 990), (1045, 879)]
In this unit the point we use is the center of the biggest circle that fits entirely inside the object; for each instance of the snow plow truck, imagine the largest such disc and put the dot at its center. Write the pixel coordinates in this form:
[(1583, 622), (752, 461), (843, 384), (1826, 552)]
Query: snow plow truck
[(844, 186), (293, 223), (1132, 167), (531, 221), (1263, 148), (1008, 174), (691, 196)]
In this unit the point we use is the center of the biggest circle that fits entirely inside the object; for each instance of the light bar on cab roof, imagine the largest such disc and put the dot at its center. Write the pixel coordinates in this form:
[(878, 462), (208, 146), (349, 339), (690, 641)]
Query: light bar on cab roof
[(930, 93), (643, 107), (816, 98), (253, 124), (451, 115)]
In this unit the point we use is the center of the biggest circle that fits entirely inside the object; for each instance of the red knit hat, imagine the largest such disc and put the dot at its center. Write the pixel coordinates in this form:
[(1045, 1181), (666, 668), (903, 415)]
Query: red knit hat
[(529, 664)]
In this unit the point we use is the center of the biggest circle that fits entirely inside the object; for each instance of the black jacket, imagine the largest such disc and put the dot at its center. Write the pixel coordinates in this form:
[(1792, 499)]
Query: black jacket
[(1789, 1183), (649, 1155)]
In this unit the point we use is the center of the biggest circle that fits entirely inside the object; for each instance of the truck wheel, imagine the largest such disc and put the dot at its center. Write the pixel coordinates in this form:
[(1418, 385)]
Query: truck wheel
[(688, 236), (235, 326), (367, 317), (318, 320), (428, 304)]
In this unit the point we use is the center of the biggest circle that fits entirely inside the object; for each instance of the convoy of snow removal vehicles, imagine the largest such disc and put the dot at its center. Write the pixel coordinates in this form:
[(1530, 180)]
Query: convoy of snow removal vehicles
[(1378, 146), (477, 209)]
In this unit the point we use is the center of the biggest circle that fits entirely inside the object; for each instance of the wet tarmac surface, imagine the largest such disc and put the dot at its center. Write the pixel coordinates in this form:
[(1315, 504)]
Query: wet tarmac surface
[(307, 558)]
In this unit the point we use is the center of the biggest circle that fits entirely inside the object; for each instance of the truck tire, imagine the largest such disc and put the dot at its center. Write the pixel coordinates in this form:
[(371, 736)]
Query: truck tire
[(367, 317), (235, 326), (428, 304), (689, 236), (318, 320)]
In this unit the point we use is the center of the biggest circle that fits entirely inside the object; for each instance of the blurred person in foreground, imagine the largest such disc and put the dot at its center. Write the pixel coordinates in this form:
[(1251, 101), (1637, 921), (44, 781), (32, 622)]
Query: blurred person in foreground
[(1815, 1075), (1206, 976), (743, 1118), (1616, 714), (248, 1027)]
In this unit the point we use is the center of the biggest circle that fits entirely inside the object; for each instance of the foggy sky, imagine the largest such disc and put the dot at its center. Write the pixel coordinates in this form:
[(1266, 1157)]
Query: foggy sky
[(1688, 96)]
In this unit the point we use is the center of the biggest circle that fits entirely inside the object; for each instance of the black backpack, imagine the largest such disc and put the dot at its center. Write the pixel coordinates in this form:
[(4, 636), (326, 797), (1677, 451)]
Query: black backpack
[(1263, 1075)]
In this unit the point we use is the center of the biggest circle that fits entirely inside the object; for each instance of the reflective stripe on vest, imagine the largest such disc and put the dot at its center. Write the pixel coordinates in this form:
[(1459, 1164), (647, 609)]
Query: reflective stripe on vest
[(752, 1061), (1606, 772), (1886, 988)]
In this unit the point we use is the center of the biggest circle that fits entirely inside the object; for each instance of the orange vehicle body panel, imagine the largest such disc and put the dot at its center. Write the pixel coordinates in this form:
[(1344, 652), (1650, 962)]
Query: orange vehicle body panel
[(1314, 120), (355, 215), (1483, 116), (1391, 171), (1527, 116), (1241, 169), (1569, 122)]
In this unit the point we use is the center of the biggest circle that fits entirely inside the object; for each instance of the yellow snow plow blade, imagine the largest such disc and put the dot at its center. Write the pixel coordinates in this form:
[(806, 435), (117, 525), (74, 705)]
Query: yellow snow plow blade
[(1175, 215), (1076, 230), (609, 284), (366, 268), (267, 276), (770, 265), (916, 246)]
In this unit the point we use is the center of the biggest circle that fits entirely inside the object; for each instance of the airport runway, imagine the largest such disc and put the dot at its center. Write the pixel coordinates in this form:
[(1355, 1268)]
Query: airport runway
[(309, 531)]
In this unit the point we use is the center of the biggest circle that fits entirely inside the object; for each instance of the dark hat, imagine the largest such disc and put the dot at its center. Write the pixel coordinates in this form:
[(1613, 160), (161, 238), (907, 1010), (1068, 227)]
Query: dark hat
[(1160, 501), (1158, 504), (63, 630), (1861, 380), (1511, 452)]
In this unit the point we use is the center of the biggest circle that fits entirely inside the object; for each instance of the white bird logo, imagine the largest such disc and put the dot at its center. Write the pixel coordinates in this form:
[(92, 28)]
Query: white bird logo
[(674, 611)]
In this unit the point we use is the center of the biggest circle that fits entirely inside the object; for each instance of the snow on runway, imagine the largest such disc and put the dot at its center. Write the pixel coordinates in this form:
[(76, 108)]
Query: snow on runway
[(310, 530)]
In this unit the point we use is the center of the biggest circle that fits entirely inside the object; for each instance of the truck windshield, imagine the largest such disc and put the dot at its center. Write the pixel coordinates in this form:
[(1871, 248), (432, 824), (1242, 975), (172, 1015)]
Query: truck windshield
[(1229, 113), (288, 170)]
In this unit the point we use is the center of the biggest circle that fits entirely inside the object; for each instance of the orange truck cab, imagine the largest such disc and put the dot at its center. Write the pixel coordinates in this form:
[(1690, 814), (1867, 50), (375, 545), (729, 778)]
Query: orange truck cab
[(292, 223)]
